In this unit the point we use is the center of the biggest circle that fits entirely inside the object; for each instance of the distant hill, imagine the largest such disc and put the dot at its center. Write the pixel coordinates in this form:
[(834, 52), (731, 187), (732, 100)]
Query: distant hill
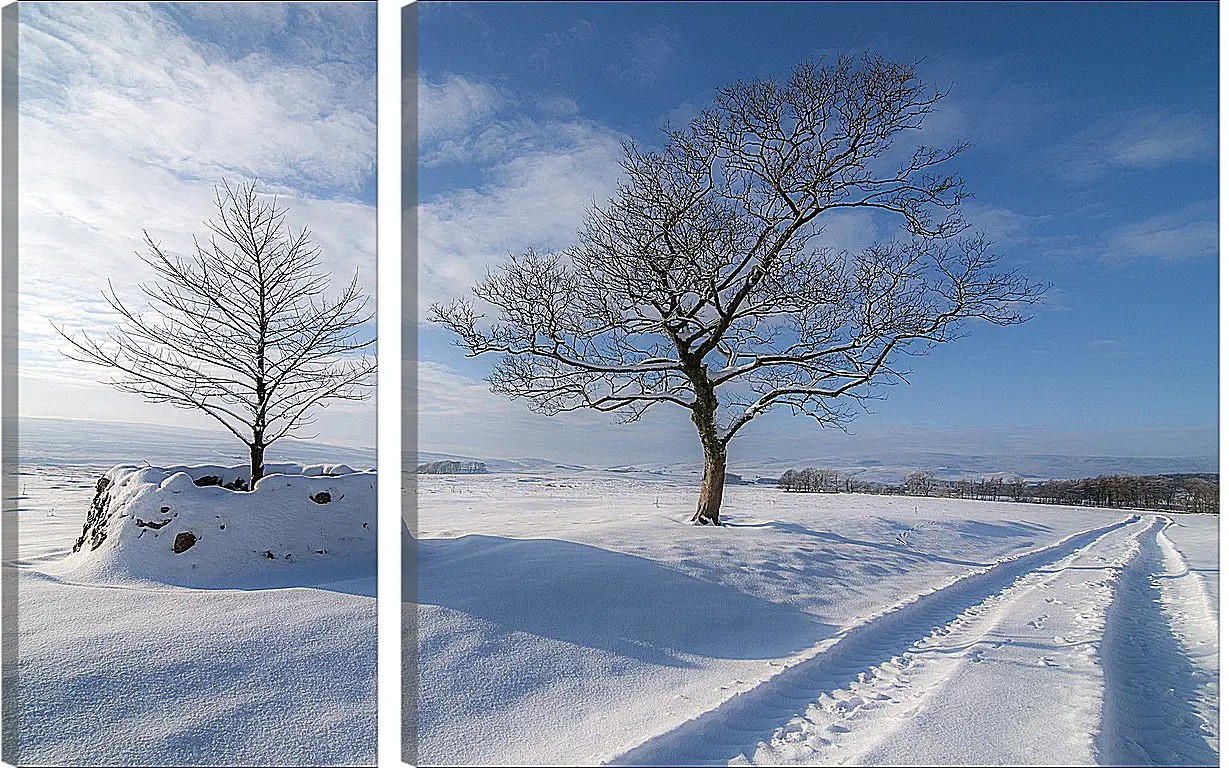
[(947, 466), (492, 465), (74, 441), (884, 469)]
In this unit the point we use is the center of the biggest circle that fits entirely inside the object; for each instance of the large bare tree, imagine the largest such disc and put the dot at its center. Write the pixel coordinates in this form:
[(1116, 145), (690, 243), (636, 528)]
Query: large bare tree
[(705, 282), (242, 329)]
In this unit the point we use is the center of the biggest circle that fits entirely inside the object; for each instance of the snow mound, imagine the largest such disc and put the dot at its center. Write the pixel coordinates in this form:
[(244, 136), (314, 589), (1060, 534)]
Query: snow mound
[(191, 526), (316, 470)]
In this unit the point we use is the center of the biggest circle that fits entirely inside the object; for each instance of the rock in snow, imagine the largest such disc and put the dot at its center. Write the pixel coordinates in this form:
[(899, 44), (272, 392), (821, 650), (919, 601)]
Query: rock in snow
[(187, 526)]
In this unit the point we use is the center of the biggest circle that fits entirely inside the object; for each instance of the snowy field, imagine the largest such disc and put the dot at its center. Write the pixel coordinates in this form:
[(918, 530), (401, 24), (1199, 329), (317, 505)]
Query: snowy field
[(121, 662), (578, 618)]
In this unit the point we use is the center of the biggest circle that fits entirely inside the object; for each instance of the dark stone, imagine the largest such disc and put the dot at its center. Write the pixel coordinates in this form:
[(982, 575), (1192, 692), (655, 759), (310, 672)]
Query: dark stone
[(324, 497), (151, 524), (183, 542), (238, 484), (207, 480), (95, 529), (268, 554)]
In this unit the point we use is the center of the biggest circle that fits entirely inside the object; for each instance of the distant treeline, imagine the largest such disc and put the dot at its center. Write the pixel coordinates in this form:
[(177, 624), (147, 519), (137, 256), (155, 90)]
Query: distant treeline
[(447, 467), (1175, 493)]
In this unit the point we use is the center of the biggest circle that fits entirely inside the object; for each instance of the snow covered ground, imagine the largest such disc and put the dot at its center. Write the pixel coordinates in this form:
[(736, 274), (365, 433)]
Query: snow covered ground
[(577, 617), (124, 660)]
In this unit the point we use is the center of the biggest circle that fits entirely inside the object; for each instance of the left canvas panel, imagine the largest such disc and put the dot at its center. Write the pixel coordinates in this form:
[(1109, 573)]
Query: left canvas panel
[(190, 421)]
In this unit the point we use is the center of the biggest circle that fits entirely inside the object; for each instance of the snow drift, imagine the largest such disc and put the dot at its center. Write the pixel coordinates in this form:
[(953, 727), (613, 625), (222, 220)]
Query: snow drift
[(194, 526)]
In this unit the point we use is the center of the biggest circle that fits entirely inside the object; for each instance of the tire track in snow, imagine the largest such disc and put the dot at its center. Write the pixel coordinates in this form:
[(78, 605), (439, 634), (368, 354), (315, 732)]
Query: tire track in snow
[(737, 726), (1154, 691), (980, 690), (1195, 621)]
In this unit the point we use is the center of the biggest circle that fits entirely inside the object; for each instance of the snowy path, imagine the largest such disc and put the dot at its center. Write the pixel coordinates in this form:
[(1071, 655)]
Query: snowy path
[(974, 671), (1161, 696), (569, 620)]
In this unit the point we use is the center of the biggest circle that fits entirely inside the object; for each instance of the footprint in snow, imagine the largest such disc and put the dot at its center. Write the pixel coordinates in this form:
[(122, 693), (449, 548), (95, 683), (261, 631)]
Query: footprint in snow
[(1046, 661)]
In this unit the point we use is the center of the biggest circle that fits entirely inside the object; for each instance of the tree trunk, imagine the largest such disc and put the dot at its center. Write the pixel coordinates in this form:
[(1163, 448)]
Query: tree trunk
[(711, 487), (257, 451)]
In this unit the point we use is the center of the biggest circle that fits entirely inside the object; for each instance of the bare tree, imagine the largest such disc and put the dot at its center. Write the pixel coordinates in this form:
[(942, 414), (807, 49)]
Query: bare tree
[(241, 329), (920, 483), (703, 282)]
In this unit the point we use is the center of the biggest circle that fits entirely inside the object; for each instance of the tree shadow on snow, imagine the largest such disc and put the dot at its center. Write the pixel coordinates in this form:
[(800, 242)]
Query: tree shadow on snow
[(596, 598), (976, 530), (801, 530)]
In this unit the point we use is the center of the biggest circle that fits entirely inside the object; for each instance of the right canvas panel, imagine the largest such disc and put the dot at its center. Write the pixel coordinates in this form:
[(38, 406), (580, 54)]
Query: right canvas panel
[(813, 383)]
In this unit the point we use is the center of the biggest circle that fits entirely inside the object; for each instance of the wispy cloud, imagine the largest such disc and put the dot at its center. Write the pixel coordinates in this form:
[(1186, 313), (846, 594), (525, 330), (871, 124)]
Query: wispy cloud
[(539, 171), (454, 106), (534, 199), (649, 55), (128, 122), (582, 31), (126, 78), (1135, 140), (1183, 235)]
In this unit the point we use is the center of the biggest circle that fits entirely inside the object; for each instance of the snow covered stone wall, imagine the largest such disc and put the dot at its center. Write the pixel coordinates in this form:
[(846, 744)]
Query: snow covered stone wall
[(190, 526)]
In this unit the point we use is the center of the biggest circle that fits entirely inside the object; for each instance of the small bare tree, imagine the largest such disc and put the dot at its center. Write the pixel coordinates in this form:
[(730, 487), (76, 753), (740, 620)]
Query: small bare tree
[(241, 329), (702, 282)]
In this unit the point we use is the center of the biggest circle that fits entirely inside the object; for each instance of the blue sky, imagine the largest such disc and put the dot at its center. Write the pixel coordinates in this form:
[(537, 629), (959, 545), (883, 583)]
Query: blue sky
[(1093, 165), (130, 113)]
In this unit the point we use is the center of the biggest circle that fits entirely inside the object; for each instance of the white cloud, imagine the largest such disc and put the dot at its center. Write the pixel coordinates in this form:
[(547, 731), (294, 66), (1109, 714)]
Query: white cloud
[(122, 76), (558, 106), (1183, 235), (537, 193), (1136, 140), (1004, 225), (80, 230), (454, 105), (581, 32), (540, 175), (648, 55), (125, 125)]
